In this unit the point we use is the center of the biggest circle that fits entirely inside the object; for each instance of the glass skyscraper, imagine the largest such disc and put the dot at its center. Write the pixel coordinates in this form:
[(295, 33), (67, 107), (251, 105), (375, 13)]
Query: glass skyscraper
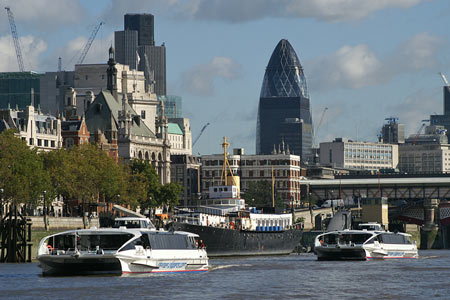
[(135, 46), (284, 115)]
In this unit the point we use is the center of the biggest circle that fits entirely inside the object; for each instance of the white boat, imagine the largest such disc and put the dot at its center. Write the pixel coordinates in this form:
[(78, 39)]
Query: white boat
[(369, 242), (134, 248)]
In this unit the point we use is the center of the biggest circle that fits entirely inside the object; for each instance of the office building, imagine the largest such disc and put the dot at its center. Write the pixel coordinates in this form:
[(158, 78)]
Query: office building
[(443, 120), (282, 166), (392, 132), (144, 24), (425, 153), (185, 170), (347, 154), (126, 48), (172, 106), (136, 48), (20, 89), (284, 115)]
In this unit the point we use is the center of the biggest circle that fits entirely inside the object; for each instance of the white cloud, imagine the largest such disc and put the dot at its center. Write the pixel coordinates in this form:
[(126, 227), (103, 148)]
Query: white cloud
[(235, 11), (351, 67), (43, 14), (31, 50), (342, 10), (416, 107), (200, 79), (70, 53), (357, 66)]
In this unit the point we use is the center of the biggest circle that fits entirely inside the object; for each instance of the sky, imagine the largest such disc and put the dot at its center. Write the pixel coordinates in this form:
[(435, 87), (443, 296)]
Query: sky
[(364, 60)]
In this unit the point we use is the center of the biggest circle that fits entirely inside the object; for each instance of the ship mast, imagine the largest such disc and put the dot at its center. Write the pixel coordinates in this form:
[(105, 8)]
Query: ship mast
[(226, 165)]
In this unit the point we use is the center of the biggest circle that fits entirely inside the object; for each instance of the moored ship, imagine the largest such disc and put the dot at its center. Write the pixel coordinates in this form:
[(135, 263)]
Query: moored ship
[(229, 228)]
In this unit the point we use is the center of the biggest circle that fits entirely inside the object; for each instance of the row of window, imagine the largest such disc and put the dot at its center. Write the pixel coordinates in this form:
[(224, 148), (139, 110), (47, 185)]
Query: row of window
[(369, 146), (262, 162), (371, 155), (40, 142)]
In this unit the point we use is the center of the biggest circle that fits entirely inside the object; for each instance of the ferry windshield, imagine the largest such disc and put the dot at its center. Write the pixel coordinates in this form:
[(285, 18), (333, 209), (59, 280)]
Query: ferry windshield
[(346, 238), (104, 241)]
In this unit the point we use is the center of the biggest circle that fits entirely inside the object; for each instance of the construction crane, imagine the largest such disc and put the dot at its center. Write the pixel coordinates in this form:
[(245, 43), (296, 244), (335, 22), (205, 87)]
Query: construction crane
[(418, 132), (15, 37), (318, 125), (200, 134), (89, 43), (447, 85)]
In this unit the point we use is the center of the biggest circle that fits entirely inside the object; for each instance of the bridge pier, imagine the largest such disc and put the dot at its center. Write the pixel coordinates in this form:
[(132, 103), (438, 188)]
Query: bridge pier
[(429, 231)]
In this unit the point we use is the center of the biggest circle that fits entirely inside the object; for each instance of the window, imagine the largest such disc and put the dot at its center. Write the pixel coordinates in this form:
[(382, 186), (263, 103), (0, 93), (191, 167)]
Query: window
[(52, 143), (143, 114), (31, 141), (69, 142), (39, 142), (86, 77), (46, 143)]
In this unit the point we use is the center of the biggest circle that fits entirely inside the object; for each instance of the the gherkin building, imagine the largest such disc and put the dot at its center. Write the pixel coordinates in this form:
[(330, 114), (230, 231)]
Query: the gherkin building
[(284, 115)]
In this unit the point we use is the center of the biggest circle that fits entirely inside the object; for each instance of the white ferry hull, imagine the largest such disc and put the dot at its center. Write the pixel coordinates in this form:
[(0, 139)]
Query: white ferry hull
[(132, 263)]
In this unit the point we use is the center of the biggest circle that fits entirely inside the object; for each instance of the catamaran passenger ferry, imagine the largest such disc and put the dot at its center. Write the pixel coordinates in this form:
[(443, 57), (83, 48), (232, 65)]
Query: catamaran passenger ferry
[(370, 242), (133, 249)]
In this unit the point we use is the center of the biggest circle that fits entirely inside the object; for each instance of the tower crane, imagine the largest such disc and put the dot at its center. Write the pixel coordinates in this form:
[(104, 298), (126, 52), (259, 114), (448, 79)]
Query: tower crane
[(418, 132), (89, 43), (15, 37), (318, 125), (200, 134)]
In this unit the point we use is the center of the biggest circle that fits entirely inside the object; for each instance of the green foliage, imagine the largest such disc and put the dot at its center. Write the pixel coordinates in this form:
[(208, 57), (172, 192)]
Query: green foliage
[(170, 193), (22, 174), (300, 220), (157, 194), (259, 194), (83, 172)]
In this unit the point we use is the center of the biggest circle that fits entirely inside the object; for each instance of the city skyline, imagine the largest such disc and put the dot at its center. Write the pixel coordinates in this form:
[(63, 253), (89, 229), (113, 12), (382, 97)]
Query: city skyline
[(365, 62)]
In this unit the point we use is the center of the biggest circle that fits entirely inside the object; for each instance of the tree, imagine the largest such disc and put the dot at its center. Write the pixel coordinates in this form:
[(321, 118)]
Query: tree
[(84, 173), (152, 184), (22, 175), (259, 194), (170, 194)]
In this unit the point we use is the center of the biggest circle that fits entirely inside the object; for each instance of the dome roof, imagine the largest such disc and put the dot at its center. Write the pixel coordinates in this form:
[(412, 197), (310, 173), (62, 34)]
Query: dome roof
[(284, 75)]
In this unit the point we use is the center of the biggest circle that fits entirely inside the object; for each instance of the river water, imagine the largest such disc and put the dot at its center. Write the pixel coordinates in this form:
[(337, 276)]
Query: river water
[(269, 277)]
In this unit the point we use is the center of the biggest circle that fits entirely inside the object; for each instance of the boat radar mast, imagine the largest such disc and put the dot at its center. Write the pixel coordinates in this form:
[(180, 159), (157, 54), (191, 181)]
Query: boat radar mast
[(234, 180)]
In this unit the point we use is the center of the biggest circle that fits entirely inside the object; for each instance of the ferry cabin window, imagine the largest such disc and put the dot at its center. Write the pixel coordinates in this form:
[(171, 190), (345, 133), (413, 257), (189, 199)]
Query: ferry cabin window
[(127, 224), (63, 242), (394, 239), (169, 241), (141, 241), (104, 241)]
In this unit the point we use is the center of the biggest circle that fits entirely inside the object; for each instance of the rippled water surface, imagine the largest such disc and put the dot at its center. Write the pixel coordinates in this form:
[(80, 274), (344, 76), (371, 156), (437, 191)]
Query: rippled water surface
[(269, 277)]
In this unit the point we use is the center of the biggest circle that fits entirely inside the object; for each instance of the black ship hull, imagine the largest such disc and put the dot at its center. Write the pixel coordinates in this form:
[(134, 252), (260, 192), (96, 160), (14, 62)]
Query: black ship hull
[(229, 242)]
